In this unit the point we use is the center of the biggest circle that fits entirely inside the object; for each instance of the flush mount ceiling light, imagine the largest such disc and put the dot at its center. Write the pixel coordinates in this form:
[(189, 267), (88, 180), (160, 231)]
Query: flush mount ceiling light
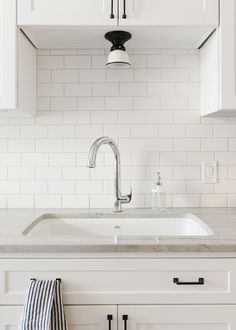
[(118, 58)]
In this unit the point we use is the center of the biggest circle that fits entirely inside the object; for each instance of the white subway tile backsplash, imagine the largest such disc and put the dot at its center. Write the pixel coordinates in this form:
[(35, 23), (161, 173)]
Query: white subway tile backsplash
[(43, 76), (76, 173), (131, 117), (19, 201), (61, 131), (50, 90), (34, 131), (144, 75), (21, 173), (47, 201), (77, 62), (91, 103), (21, 145), (159, 144), (173, 158), (187, 61), (133, 89), (152, 112), (173, 130), (174, 103), (119, 103), (48, 145), (199, 131), (175, 75), (63, 103), (48, 173), (213, 200), (75, 201), (160, 61), (186, 200), (81, 89), (104, 117), (144, 131), (50, 62), (105, 89), (160, 89), (187, 144), (89, 131), (64, 76), (61, 187), (92, 75), (147, 103), (123, 75), (33, 187), (62, 159)]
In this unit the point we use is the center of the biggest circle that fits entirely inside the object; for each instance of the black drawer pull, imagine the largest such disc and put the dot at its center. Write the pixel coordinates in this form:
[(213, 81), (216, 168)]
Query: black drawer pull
[(109, 318), (125, 319), (124, 10), (200, 282), (112, 10)]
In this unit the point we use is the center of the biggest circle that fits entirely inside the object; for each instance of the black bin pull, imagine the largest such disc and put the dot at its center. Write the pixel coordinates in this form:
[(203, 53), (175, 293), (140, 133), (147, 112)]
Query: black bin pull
[(109, 318), (124, 10), (125, 319), (200, 281), (112, 10)]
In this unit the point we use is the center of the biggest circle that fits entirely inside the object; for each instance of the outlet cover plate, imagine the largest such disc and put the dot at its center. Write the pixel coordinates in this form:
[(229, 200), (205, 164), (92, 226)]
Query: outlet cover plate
[(209, 171)]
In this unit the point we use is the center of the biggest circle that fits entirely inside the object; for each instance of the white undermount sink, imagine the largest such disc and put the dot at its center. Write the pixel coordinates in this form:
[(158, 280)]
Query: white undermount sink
[(85, 227)]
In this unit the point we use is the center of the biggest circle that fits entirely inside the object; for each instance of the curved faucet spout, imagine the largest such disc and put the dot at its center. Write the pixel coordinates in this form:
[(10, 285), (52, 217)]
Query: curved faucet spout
[(120, 199)]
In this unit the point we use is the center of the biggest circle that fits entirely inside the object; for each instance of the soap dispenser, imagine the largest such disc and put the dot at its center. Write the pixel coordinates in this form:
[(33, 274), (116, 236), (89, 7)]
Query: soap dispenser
[(158, 195)]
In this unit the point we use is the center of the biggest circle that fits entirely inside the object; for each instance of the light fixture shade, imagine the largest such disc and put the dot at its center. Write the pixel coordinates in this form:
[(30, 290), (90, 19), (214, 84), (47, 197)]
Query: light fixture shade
[(118, 59)]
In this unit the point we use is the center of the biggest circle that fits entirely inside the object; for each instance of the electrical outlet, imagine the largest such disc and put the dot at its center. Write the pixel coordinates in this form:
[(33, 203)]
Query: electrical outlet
[(209, 171)]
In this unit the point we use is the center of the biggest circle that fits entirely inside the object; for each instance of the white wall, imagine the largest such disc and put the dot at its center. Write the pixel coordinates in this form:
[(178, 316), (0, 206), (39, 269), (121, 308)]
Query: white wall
[(151, 110)]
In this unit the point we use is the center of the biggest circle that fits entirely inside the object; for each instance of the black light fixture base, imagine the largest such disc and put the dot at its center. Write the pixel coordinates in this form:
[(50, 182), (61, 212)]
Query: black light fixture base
[(118, 38)]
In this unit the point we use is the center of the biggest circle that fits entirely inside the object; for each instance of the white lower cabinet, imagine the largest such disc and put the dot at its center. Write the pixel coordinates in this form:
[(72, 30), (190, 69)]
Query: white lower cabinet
[(136, 317), (139, 294)]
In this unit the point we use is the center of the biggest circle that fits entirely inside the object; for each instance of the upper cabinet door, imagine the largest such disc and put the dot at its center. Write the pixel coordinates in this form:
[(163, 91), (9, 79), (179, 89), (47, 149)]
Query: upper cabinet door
[(7, 54), (169, 12), (67, 12)]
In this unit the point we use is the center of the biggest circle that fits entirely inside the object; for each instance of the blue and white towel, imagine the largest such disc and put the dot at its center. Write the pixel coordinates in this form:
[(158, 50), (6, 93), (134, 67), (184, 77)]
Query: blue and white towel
[(43, 308)]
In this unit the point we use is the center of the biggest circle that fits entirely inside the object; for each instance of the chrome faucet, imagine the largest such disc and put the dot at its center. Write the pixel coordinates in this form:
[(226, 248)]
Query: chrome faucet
[(120, 199)]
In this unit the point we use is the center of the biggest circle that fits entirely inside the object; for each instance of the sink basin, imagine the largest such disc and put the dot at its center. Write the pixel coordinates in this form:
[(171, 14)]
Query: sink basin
[(85, 227)]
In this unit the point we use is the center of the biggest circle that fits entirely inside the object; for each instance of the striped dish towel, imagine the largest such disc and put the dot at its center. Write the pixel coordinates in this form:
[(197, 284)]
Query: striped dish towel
[(43, 308)]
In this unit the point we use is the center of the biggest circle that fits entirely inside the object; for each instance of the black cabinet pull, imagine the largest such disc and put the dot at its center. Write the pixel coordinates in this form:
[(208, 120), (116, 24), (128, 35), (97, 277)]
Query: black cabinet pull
[(200, 282), (109, 318), (124, 10), (125, 319), (112, 10)]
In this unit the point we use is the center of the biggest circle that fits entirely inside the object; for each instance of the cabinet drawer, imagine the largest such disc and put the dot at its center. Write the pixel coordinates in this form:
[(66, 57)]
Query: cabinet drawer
[(123, 281)]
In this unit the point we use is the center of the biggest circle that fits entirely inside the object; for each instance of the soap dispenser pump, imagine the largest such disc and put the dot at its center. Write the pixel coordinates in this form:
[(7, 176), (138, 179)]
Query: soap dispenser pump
[(158, 195)]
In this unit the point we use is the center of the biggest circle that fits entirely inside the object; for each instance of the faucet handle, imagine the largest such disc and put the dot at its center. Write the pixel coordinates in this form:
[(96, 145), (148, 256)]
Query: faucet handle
[(130, 195)]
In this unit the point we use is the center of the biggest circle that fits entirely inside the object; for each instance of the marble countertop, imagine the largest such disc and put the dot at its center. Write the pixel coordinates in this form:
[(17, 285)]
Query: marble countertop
[(222, 221)]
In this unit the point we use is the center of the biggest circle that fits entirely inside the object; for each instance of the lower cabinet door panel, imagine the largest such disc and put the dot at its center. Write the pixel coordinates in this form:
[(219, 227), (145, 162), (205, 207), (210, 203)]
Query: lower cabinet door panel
[(78, 317), (172, 317)]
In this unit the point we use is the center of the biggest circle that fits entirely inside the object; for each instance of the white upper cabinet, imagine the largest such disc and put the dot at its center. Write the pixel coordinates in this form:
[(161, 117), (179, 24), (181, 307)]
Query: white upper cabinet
[(218, 66), (17, 66), (67, 12), (153, 23), (7, 54), (169, 12)]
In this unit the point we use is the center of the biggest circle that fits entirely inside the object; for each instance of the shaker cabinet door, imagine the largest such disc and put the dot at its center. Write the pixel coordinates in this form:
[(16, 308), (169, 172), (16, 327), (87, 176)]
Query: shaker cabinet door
[(169, 12), (177, 317), (78, 317), (67, 12), (8, 40)]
